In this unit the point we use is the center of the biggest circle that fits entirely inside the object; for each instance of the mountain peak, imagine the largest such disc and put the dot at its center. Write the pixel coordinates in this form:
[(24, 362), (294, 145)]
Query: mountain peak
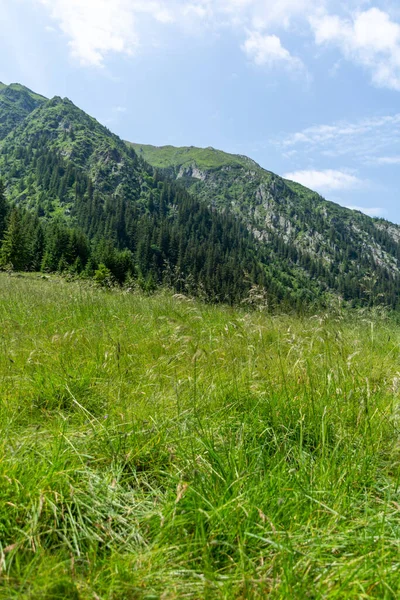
[(16, 103), (56, 100), (18, 87)]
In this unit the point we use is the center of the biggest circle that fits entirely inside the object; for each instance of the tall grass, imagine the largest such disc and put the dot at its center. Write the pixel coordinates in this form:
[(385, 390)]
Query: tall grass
[(162, 448)]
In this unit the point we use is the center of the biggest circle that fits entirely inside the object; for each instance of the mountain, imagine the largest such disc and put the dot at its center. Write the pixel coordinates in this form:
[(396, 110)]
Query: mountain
[(345, 249), (60, 128), (199, 220), (75, 178), (16, 102)]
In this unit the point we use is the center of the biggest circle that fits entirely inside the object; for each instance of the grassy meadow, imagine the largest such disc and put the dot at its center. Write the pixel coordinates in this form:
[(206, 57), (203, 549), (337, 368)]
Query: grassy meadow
[(159, 448)]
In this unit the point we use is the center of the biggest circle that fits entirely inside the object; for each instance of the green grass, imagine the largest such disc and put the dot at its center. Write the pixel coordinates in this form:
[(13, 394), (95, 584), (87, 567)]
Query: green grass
[(164, 157), (156, 447)]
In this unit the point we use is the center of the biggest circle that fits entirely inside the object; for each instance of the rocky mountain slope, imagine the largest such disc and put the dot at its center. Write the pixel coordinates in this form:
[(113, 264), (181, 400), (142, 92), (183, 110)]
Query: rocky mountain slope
[(218, 219), (269, 203), (346, 243)]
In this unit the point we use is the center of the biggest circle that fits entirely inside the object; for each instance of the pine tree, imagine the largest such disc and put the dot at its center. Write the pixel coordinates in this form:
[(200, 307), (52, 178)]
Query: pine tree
[(14, 250), (3, 209)]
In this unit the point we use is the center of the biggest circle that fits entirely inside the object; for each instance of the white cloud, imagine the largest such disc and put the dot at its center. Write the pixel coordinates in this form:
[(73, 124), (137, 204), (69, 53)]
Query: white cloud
[(267, 50), (371, 141), (322, 134), (326, 180), (371, 212), (388, 160), (263, 14), (96, 28), (370, 39), (198, 10)]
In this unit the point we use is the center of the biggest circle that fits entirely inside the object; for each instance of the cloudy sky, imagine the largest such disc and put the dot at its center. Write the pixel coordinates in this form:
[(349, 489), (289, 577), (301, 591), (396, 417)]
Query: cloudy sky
[(310, 89)]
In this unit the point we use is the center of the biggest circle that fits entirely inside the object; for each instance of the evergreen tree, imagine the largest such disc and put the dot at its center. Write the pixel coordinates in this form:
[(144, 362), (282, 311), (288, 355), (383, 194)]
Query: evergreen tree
[(14, 250), (3, 209)]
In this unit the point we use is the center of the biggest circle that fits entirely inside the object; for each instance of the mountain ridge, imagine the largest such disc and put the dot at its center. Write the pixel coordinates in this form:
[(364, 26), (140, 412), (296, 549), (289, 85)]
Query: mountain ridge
[(211, 157), (158, 157), (16, 102), (60, 163)]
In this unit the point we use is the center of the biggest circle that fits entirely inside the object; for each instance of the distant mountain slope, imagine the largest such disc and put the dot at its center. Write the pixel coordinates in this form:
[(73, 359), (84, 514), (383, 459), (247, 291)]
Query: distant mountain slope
[(166, 157), (339, 246)]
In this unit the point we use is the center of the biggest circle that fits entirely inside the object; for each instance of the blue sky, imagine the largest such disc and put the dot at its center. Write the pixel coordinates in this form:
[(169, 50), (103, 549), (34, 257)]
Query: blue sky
[(310, 90)]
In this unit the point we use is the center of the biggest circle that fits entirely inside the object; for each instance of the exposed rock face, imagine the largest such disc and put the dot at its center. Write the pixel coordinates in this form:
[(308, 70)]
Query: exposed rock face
[(392, 230), (192, 172)]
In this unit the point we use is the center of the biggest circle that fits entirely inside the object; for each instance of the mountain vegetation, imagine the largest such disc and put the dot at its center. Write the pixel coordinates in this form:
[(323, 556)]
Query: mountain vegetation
[(344, 250), (16, 102), (80, 200)]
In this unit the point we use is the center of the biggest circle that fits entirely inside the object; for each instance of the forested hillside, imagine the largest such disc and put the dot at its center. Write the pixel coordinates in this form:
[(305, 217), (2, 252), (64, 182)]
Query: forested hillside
[(78, 199), (344, 249)]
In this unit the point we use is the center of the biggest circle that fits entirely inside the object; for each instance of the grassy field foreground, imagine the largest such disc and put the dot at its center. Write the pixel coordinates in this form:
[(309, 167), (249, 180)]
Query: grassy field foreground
[(161, 448)]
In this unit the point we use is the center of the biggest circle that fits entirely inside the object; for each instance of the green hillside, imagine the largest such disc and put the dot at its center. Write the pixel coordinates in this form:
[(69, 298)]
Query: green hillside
[(60, 128), (201, 220), (16, 102), (199, 374), (337, 246), (82, 199), (165, 157)]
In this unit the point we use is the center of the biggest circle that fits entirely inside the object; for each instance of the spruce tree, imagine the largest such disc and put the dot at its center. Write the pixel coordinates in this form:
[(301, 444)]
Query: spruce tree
[(3, 209), (14, 251)]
